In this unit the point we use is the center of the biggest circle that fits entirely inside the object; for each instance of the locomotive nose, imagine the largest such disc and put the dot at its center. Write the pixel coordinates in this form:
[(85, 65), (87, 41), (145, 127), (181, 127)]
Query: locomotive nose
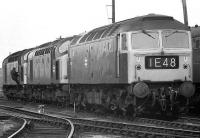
[(141, 90), (187, 89)]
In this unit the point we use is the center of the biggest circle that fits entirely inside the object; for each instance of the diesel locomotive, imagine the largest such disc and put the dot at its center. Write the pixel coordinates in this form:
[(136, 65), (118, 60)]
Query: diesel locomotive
[(131, 66)]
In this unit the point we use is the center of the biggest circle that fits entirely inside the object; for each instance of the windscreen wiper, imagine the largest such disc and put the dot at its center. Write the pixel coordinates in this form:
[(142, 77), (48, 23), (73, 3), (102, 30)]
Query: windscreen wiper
[(172, 33), (145, 32)]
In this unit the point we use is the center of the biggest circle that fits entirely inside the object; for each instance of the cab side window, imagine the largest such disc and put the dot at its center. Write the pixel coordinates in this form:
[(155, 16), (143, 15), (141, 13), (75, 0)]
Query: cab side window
[(124, 42)]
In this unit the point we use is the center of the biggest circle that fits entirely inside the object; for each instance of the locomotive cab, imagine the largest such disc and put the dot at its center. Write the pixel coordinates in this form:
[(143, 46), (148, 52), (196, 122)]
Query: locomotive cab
[(159, 63)]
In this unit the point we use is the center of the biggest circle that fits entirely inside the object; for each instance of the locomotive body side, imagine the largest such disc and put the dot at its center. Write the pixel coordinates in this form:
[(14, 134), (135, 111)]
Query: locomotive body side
[(94, 62), (13, 61), (62, 61), (45, 76), (42, 67), (13, 72)]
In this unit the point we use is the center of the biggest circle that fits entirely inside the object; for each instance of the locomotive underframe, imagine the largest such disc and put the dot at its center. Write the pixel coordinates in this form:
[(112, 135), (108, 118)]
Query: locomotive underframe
[(101, 97)]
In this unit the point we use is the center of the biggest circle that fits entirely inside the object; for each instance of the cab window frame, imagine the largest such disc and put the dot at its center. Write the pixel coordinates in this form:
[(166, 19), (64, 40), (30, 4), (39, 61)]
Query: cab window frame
[(197, 43), (123, 42)]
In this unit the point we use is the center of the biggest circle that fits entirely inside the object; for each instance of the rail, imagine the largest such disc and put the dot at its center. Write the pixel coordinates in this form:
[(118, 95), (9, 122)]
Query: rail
[(72, 128), (155, 129), (70, 123), (19, 130), (70, 135)]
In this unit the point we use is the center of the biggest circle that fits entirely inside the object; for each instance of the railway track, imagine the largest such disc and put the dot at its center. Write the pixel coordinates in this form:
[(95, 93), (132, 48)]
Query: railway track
[(16, 129), (41, 125), (136, 129), (47, 129), (177, 124), (141, 127), (190, 120)]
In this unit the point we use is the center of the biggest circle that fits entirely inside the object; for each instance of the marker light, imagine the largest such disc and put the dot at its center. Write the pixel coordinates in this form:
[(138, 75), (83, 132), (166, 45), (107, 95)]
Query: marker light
[(185, 66), (138, 67)]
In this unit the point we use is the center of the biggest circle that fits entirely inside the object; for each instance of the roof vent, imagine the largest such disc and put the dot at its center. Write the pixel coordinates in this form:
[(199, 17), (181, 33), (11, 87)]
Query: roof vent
[(150, 18)]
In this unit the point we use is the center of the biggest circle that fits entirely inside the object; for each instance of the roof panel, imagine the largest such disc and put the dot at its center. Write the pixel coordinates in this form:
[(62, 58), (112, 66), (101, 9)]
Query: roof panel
[(147, 22), (98, 35), (112, 31), (75, 39), (90, 37), (106, 32), (83, 39)]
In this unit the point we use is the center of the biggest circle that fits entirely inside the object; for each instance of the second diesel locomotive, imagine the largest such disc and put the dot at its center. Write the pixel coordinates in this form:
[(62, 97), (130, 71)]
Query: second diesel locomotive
[(196, 66), (129, 66)]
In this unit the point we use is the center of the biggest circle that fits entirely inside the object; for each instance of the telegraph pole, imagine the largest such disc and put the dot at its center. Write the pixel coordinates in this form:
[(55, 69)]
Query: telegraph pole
[(113, 11), (185, 12)]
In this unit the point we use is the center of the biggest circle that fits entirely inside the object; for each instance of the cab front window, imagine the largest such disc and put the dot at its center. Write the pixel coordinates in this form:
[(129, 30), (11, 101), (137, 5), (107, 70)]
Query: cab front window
[(175, 39), (145, 40)]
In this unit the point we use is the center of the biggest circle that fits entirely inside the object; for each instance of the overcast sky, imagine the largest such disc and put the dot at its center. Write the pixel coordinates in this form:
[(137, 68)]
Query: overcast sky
[(28, 23)]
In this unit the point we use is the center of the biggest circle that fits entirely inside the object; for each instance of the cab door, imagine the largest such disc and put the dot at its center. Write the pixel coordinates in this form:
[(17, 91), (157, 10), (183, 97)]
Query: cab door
[(123, 57)]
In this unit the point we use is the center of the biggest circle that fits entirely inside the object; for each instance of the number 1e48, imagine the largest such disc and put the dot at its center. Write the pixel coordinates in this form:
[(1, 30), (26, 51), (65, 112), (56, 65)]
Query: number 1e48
[(161, 62)]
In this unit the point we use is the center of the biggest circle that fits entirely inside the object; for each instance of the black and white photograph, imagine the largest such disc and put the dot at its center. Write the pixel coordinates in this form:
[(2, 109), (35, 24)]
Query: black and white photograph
[(99, 69)]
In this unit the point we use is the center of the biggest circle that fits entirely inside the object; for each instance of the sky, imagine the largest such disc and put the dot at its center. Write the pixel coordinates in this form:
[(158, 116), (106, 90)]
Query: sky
[(29, 23)]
